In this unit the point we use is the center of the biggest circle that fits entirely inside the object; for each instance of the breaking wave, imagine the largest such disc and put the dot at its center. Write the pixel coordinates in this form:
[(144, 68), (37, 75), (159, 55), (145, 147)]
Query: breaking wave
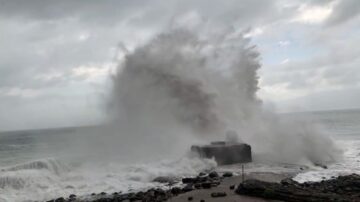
[(184, 86)]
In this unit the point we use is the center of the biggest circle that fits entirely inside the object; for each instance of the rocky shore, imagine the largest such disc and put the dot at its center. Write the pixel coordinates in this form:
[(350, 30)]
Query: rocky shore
[(226, 187), (343, 188)]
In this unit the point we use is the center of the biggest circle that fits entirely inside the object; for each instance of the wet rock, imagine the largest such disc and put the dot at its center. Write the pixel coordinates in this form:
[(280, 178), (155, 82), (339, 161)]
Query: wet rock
[(343, 188), (288, 181), (213, 174), (188, 180), (218, 194), (176, 190), (201, 179), (206, 185), (201, 174), (72, 196), (228, 174), (164, 179), (197, 186), (188, 187), (61, 199)]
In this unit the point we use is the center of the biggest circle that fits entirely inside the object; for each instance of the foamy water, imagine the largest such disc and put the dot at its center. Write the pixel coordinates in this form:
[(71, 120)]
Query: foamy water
[(49, 178), (344, 127), (31, 171)]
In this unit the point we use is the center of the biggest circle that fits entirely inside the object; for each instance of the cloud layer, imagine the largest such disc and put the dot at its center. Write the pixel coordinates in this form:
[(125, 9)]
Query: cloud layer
[(55, 56)]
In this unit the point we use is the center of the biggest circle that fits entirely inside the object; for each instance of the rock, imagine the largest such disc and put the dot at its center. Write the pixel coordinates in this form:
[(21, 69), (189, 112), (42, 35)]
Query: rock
[(103, 193), (288, 181), (164, 179), (228, 174), (61, 199), (213, 174), (232, 187), (190, 198), (343, 188), (201, 179), (197, 186), (72, 196), (188, 187), (201, 174), (206, 185), (188, 180), (176, 190), (202, 200), (225, 152), (218, 194)]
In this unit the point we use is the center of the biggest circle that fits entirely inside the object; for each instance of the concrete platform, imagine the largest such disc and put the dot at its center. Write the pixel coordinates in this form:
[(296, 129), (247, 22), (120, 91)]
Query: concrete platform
[(225, 152)]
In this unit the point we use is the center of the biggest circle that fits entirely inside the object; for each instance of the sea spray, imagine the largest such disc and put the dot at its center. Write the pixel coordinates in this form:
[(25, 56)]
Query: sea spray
[(184, 87)]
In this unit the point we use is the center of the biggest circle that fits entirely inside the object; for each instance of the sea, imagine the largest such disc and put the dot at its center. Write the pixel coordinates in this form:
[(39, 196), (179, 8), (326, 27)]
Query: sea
[(35, 165)]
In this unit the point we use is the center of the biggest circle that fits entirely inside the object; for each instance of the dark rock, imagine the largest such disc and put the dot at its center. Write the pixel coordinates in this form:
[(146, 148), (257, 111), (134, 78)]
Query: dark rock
[(201, 174), (201, 179), (176, 190), (228, 174), (188, 187), (232, 187), (190, 198), (213, 174), (215, 183), (202, 200), (225, 152), (218, 194), (197, 186), (188, 180), (103, 193), (288, 181), (343, 188), (206, 185), (72, 196), (61, 199), (163, 179)]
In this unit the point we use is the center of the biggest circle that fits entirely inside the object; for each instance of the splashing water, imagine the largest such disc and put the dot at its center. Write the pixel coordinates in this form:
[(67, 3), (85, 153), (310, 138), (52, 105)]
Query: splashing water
[(183, 87)]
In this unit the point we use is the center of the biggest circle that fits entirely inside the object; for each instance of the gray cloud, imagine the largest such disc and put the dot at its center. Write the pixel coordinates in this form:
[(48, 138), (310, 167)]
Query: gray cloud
[(344, 11), (43, 41)]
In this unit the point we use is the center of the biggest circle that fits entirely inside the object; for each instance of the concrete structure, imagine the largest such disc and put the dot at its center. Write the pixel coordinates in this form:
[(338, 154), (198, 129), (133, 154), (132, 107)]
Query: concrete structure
[(225, 152)]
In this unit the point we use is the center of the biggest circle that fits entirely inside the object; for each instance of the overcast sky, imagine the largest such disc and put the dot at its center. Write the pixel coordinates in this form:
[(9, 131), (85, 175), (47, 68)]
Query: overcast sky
[(56, 55)]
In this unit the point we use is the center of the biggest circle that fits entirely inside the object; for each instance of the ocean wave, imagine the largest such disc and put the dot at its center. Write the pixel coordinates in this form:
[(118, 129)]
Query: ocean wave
[(45, 179), (53, 165)]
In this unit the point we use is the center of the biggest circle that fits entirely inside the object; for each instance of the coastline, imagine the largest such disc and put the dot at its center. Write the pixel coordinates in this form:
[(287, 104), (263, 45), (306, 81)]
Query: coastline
[(257, 187), (225, 186), (178, 193)]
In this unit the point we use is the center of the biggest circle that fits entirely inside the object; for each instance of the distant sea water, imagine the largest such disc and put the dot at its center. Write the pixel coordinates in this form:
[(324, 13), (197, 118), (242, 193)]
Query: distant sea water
[(33, 164)]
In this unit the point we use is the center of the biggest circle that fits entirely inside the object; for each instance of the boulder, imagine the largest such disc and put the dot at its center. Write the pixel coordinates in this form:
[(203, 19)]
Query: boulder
[(343, 188), (224, 152)]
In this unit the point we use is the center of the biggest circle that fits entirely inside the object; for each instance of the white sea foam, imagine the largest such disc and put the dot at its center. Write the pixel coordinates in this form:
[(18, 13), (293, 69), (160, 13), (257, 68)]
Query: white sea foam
[(48, 178), (348, 165)]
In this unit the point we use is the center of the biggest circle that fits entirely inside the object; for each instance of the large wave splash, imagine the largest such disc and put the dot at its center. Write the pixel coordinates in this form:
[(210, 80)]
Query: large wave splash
[(182, 87)]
